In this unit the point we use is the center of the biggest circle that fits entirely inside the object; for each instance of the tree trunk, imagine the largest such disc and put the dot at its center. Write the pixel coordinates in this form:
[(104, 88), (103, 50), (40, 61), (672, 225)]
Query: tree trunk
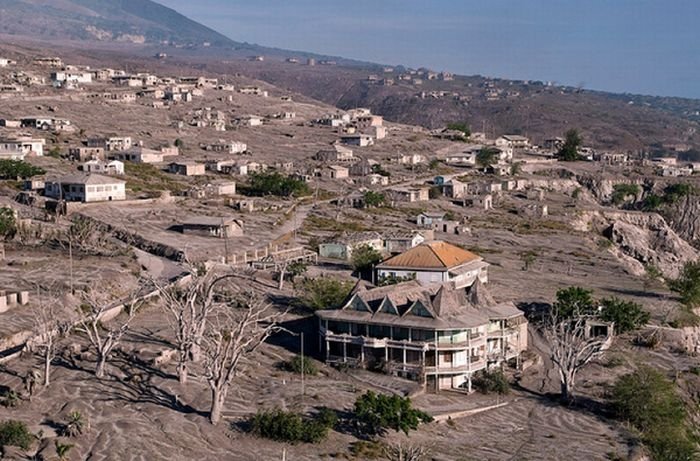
[(47, 369), (182, 371), (195, 352), (567, 387), (217, 405), (282, 271), (101, 362)]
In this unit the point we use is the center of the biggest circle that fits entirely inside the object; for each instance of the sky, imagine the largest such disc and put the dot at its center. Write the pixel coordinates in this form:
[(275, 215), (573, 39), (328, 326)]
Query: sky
[(625, 46)]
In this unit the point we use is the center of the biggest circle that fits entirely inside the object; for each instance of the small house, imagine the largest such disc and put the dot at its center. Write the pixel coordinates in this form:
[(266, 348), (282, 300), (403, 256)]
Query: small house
[(427, 219), (335, 172), (209, 226), (113, 167), (360, 140), (343, 246), (400, 241), (410, 194), (187, 168)]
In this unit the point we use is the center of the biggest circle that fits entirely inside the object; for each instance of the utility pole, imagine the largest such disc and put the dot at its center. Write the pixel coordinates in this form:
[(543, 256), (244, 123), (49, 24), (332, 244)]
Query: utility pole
[(302, 366), (225, 235)]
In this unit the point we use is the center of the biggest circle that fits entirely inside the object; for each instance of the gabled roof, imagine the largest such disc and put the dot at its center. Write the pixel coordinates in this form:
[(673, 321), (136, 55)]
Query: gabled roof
[(87, 179), (411, 304), (431, 255)]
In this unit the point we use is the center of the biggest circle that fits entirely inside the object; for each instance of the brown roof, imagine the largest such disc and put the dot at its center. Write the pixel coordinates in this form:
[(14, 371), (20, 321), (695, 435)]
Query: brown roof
[(431, 255)]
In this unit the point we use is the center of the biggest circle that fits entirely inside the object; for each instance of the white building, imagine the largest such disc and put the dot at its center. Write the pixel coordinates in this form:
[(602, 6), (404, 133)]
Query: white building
[(26, 145), (436, 262), (231, 147), (62, 77), (86, 188), (111, 143), (140, 155), (114, 167)]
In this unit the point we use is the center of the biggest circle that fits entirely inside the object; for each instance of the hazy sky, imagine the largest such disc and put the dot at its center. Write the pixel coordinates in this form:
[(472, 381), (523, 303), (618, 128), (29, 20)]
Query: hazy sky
[(636, 46)]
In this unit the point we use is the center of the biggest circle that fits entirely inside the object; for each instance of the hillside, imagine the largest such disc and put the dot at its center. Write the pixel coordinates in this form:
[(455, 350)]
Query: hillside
[(136, 21), (496, 106)]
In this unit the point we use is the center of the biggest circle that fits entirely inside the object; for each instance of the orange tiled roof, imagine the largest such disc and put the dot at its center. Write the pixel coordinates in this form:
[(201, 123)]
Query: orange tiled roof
[(432, 255)]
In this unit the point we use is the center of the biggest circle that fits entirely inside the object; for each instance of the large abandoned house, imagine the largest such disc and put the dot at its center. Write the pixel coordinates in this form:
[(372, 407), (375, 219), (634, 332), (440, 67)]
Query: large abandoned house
[(86, 188), (433, 262), (437, 334)]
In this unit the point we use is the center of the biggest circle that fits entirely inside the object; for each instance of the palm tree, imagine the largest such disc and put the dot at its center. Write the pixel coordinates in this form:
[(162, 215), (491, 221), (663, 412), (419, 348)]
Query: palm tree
[(75, 425)]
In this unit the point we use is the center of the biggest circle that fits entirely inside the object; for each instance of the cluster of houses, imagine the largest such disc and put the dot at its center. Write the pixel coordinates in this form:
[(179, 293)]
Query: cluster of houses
[(357, 127), (428, 224)]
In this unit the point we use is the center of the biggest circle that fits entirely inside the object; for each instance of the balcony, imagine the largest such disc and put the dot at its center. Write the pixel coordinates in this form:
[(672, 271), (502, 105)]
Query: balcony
[(377, 343), (503, 333), (477, 363)]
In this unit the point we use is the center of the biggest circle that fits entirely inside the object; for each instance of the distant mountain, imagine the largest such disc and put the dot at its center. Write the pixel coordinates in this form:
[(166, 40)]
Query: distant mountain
[(136, 21)]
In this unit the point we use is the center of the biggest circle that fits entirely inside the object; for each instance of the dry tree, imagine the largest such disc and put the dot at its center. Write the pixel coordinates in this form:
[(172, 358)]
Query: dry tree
[(188, 306), (103, 332), (572, 346), (246, 319), (406, 452), (52, 322)]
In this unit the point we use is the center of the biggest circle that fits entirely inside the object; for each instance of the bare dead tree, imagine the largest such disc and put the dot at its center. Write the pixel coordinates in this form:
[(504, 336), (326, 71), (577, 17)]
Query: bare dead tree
[(188, 308), (244, 324), (406, 452), (102, 334), (282, 267), (52, 322), (571, 348)]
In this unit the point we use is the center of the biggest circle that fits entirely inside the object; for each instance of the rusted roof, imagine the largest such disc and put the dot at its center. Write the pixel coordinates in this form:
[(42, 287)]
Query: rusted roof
[(432, 255)]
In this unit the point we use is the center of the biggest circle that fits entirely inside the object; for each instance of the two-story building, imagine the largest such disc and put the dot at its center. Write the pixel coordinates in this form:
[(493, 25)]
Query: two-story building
[(436, 334), (436, 262)]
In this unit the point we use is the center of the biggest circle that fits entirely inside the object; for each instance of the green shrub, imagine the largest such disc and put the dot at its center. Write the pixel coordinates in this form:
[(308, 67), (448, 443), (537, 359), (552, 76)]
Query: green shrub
[(291, 427), (569, 151), (323, 292), (376, 413), (670, 444), (9, 398), (274, 183), (460, 126), (309, 366), (491, 382), (622, 191), (687, 285), (374, 199), (627, 315), (365, 257), (574, 301), (652, 202), (12, 169), (674, 192), (649, 401), (15, 434)]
